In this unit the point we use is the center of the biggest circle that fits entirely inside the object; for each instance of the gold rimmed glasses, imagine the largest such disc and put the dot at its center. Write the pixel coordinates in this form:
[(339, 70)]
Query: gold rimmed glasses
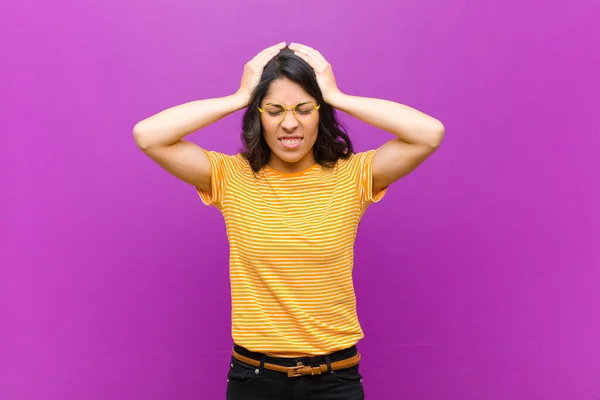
[(304, 112)]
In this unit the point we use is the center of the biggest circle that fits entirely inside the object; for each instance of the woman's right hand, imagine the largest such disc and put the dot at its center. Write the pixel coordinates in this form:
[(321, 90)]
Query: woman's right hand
[(254, 69)]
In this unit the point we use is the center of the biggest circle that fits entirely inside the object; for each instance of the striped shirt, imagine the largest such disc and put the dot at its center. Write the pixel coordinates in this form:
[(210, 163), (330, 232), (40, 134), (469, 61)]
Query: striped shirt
[(291, 239)]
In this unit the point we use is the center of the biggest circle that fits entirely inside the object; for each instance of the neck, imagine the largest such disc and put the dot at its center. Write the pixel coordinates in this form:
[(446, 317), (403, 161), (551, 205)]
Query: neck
[(291, 167)]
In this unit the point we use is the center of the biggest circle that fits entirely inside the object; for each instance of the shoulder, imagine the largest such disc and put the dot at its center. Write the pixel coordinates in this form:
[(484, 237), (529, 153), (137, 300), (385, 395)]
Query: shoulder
[(228, 162), (356, 160)]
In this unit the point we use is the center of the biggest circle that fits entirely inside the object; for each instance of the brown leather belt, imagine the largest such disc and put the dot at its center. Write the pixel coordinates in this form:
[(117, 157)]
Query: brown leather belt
[(300, 370)]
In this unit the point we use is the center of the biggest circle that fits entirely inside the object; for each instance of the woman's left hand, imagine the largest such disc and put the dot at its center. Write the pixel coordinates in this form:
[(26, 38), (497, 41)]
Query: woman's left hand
[(322, 69)]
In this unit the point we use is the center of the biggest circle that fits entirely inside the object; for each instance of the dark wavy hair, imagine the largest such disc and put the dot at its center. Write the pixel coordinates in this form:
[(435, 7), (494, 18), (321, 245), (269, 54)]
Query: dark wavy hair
[(332, 141)]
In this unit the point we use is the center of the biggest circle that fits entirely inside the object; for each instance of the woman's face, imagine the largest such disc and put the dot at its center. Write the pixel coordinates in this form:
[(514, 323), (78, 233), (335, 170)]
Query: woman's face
[(291, 141)]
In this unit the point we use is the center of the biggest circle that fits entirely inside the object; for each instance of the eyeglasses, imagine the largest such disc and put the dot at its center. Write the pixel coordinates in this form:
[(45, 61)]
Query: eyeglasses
[(304, 112)]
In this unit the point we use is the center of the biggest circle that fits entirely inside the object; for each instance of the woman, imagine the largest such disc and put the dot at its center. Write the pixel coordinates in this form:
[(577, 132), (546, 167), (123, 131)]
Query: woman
[(292, 201)]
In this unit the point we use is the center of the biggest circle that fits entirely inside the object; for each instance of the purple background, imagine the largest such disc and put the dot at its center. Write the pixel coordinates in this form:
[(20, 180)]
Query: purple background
[(477, 276)]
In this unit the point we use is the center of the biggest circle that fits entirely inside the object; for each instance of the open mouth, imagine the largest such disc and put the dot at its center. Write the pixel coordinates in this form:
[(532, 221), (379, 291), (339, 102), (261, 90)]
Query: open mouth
[(291, 143)]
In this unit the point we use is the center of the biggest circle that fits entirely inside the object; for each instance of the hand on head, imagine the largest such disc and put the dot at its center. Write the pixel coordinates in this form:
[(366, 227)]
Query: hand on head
[(323, 71), (254, 69)]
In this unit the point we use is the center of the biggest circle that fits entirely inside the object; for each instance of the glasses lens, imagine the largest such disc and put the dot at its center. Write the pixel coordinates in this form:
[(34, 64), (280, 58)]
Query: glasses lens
[(274, 110), (305, 112), (274, 113)]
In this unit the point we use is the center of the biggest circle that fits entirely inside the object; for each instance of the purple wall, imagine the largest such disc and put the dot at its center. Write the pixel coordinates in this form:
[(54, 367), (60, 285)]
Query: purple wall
[(477, 277)]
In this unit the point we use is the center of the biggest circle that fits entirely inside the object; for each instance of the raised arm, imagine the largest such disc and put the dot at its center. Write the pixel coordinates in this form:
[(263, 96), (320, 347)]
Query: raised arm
[(160, 136), (418, 135)]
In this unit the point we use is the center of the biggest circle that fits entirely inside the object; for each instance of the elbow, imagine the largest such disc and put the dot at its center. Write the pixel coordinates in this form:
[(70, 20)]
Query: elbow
[(437, 136), (140, 137)]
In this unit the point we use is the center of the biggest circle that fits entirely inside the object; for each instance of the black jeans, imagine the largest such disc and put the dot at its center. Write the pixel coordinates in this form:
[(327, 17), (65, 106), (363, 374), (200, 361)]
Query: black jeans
[(247, 382)]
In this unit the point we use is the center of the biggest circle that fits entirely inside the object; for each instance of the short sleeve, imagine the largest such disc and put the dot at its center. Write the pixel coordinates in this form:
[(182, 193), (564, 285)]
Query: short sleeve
[(363, 168), (220, 168)]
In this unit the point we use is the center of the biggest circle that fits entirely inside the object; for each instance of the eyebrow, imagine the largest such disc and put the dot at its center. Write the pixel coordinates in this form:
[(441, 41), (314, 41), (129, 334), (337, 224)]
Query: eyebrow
[(279, 104)]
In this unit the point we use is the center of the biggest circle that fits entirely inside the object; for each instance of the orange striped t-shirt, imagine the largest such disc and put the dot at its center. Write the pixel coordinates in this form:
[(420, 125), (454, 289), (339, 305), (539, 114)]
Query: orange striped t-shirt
[(291, 239)]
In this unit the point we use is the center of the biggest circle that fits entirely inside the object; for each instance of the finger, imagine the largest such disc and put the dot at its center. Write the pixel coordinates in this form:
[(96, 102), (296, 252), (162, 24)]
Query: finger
[(310, 59), (273, 49), (310, 52), (256, 57), (302, 47), (266, 57), (295, 46), (276, 48), (320, 56)]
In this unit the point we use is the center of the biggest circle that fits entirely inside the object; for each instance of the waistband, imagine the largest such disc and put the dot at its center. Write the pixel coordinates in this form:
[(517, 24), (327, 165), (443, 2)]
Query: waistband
[(291, 362)]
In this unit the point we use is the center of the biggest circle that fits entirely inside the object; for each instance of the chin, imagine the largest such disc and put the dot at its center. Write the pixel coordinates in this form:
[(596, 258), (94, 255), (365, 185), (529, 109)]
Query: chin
[(289, 158)]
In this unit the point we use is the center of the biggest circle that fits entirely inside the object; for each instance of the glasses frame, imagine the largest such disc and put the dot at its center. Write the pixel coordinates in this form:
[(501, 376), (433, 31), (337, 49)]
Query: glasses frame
[(286, 108)]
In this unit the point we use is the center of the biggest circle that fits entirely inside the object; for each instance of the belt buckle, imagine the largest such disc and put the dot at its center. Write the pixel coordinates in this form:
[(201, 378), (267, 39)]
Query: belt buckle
[(294, 372)]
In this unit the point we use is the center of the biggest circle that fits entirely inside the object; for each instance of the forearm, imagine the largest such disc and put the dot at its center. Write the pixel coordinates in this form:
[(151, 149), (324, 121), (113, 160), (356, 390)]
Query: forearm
[(173, 124), (407, 123)]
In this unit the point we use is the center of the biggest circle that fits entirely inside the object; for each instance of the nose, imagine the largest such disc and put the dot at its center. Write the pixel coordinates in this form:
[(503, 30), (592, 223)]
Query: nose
[(289, 121)]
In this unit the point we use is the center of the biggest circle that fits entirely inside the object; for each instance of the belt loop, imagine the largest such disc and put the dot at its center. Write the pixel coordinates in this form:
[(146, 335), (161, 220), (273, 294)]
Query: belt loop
[(328, 361), (262, 364)]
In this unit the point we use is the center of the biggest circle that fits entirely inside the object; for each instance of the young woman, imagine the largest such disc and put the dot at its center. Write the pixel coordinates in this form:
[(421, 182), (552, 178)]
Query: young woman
[(292, 200)]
